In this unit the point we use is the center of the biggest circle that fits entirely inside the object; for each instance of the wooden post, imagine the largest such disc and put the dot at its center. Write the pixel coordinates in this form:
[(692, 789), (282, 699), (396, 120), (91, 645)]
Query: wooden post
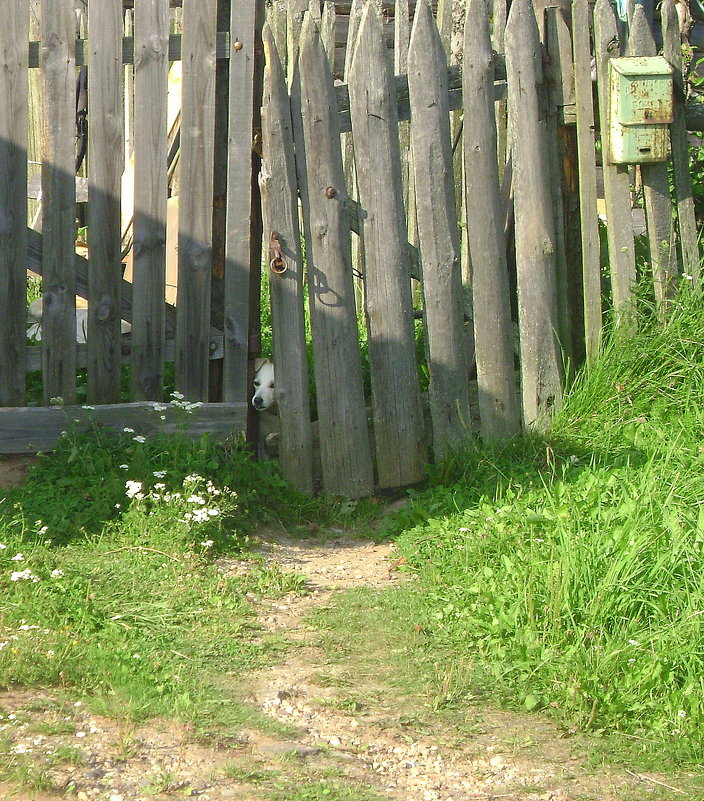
[(59, 200), (541, 367), (105, 167), (656, 190), (344, 442), (672, 50), (14, 33), (617, 187), (499, 409), (591, 267), (151, 71), (398, 419), (280, 205)]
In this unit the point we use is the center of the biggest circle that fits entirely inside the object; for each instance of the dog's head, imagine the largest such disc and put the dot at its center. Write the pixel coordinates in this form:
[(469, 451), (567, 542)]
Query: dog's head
[(264, 394)]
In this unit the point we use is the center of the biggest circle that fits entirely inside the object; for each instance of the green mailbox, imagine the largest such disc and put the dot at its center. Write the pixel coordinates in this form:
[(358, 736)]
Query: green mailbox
[(641, 107)]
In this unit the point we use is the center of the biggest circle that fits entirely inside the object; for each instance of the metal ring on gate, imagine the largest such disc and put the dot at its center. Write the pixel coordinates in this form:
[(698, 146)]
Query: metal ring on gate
[(277, 263)]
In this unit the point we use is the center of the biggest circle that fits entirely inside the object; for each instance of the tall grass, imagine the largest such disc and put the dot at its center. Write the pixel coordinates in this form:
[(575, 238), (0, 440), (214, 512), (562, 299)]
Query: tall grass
[(568, 570)]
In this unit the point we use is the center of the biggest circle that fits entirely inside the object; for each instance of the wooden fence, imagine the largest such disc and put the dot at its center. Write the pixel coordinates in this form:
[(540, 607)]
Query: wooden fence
[(346, 176)]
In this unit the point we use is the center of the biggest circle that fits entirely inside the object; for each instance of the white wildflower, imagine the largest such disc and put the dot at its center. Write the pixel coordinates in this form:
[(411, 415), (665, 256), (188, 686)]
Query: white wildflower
[(124, 467), (139, 438), (178, 395), (57, 573), (207, 544), (128, 430), (134, 489), (17, 558), (196, 499), (159, 473)]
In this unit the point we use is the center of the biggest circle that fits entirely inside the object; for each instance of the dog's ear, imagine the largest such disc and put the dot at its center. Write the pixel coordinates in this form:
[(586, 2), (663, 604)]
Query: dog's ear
[(259, 363)]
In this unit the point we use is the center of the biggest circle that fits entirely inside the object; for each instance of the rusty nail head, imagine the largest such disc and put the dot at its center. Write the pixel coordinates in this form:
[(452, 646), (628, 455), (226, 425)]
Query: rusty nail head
[(238, 45), (330, 192)]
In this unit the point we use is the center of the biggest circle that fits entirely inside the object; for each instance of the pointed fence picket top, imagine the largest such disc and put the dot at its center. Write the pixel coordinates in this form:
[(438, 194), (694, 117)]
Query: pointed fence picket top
[(687, 224), (280, 211), (541, 369), (439, 235), (14, 85), (656, 187), (344, 441), (617, 187), (389, 309), (499, 410), (591, 267)]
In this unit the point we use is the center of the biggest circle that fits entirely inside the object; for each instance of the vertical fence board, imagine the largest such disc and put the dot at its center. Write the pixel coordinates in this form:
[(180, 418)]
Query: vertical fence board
[(294, 23), (327, 30), (239, 199), (344, 442), (59, 200), (276, 19), (617, 188), (14, 32), (398, 421), (498, 401), (439, 236), (280, 206), (656, 190), (151, 70), (591, 269), (687, 224), (105, 165), (195, 220), (541, 374)]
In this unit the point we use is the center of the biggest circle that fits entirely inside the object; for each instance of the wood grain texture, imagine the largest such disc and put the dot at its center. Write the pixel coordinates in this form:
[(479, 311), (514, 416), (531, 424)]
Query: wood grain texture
[(499, 408), (345, 453), (541, 368), (150, 160), (196, 204), (398, 425), (58, 200), (280, 207), (14, 88), (105, 166)]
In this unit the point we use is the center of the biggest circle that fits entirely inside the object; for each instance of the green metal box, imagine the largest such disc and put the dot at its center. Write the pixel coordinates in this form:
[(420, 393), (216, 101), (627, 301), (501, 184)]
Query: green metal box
[(641, 105)]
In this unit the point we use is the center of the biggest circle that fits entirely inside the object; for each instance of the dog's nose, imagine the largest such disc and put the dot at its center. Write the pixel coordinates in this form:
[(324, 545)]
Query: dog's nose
[(257, 402)]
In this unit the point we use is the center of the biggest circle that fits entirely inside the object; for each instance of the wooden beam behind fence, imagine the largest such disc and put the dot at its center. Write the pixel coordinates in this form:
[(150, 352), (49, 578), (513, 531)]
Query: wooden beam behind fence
[(438, 232), (656, 188), (239, 198), (59, 200), (541, 371), (591, 267), (617, 187), (195, 221), (151, 75), (686, 220), (105, 167), (14, 88), (344, 441), (280, 210), (398, 418), (27, 430), (499, 409)]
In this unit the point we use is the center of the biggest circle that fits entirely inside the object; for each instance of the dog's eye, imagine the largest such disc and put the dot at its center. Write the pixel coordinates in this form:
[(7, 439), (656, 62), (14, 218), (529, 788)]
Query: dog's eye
[(271, 386), (256, 383)]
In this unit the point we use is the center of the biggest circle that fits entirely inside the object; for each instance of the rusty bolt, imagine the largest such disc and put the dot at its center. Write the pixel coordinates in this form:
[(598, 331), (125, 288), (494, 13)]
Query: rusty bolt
[(238, 45), (330, 192)]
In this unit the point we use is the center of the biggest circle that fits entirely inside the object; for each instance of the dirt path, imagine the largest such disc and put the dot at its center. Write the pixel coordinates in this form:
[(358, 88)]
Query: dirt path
[(335, 748)]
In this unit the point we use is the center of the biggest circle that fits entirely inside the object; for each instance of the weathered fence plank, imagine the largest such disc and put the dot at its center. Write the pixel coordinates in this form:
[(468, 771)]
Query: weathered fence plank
[(656, 190), (541, 369), (14, 97), (327, 30), (499, 410), (591, 268), (687, 224), (345, 452), (294, 22), (239, 201), (59, 200), (280, 207), (196, 204), (398, 419), (25, 430), (617, 188), (439, 235), (105, 167), (151, 73)]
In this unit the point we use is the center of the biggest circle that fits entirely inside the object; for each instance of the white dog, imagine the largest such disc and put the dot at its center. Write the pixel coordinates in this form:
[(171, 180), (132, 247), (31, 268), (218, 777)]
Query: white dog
[(264, 390), (34, 331)]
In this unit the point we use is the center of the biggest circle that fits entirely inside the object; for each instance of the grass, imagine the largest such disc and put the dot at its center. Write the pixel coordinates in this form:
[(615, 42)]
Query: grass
[(108, 581), (564, 573)]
